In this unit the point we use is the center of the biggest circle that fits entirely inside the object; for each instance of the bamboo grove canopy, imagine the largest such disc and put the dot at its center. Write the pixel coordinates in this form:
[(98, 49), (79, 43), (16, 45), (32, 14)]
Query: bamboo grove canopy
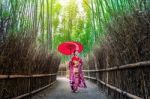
[(51, 22)]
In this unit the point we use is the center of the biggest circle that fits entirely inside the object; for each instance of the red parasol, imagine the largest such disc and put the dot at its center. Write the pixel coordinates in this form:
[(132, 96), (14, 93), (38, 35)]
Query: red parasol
[(68, 48)]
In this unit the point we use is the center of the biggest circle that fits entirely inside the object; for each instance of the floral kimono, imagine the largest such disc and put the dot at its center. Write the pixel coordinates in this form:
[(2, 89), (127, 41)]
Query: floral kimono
[(76, 75)]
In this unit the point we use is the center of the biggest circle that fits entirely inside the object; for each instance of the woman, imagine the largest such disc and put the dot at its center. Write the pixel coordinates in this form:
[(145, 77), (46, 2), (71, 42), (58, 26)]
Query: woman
[(76, 74)]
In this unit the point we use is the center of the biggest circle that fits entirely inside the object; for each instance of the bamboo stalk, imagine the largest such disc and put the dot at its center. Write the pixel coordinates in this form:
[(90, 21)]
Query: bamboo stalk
[(127, 66), (25, 76), (90, 77), (34, 91), (90, 70), (93, 20)]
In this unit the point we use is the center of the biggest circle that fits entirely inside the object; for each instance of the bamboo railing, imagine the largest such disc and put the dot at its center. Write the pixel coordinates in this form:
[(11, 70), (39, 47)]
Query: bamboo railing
[(127, 66), (3, 77), (34, 91), (25, 76)]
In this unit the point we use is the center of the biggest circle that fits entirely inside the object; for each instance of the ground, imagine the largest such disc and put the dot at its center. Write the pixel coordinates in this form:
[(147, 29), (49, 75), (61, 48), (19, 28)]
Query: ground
[(61, 90)]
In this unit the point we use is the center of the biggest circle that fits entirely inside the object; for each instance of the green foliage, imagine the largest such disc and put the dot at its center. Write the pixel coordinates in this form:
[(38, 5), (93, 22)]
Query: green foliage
[(55, 21)]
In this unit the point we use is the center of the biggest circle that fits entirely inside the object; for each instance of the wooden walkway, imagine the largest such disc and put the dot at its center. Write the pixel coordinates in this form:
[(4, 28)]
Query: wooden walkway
[(61, 90)]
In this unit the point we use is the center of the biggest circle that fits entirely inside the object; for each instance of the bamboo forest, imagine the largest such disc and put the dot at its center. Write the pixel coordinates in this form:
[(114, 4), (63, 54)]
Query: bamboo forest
[(74, 49)]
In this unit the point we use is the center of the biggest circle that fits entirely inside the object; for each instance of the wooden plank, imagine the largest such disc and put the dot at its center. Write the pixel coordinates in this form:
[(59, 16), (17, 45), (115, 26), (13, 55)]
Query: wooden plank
[(25, 76)]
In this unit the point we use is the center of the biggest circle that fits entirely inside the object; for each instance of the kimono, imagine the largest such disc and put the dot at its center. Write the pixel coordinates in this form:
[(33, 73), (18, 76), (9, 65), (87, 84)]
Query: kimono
[(76, 78)]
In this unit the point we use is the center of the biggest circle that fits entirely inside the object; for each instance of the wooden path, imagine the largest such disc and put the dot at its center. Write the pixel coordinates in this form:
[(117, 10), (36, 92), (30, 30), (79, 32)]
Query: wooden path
[(61, 90)]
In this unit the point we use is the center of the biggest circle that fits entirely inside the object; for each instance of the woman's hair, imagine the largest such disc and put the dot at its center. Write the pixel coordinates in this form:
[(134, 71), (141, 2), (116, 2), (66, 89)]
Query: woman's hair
[(75, 58), (74, 53)]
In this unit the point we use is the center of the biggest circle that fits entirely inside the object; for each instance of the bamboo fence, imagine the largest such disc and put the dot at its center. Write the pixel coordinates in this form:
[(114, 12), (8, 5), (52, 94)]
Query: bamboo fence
[(117, 68), (31, 92)]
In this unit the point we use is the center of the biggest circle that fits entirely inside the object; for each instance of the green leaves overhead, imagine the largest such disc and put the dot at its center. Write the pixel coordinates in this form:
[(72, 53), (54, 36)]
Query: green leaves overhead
[(52, 22)]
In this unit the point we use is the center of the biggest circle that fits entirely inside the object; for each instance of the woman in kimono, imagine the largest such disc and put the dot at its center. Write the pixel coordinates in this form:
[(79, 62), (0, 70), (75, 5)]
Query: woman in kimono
[(76, 75)]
